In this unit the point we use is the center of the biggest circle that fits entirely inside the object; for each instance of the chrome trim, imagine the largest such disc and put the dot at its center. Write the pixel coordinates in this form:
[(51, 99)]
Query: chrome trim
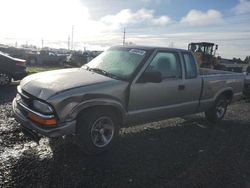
[(19, 90), (36, 113)]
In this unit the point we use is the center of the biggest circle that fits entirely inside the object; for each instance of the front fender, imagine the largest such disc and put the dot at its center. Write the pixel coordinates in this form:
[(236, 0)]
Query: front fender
[(100, 102)]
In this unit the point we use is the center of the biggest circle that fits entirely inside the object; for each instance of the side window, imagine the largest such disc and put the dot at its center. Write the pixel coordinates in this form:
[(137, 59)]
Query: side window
[(190, 66), (168, 64)]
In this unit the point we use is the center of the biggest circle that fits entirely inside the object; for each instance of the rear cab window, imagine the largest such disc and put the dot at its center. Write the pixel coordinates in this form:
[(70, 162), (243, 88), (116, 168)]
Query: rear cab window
[(190, 65)]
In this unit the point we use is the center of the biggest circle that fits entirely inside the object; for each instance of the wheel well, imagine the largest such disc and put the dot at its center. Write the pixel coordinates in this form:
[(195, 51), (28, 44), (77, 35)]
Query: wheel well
[(228, 94), (115, 110)]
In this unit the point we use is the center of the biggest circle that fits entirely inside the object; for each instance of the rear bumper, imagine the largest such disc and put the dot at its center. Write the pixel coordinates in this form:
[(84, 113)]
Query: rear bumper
[(61, 129), (19, 75)]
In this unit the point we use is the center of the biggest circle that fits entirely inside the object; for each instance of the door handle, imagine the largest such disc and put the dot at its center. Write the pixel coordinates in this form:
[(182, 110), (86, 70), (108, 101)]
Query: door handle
[(181, 87)]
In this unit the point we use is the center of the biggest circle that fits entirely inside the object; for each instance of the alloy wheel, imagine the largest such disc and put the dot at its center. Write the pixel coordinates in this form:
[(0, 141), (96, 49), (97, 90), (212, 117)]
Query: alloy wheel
[(102, 131)]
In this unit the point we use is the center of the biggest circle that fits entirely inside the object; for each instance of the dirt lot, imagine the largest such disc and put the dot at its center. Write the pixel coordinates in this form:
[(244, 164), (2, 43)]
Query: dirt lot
[(181, 152)]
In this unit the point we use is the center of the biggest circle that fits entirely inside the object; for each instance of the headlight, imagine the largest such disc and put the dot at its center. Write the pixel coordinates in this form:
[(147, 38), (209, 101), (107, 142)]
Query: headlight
[(42, 107)]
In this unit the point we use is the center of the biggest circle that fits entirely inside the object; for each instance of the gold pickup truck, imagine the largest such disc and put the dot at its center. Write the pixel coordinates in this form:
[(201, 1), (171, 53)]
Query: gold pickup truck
[(124, 85)]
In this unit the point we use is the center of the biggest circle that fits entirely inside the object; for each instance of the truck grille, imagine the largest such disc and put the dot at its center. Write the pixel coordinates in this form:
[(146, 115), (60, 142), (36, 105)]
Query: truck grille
[(26, 99)]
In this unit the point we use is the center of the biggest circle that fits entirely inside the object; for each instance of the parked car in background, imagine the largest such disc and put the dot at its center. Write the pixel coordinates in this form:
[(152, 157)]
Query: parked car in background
[(11, 68), (45, 57), (79, 58)]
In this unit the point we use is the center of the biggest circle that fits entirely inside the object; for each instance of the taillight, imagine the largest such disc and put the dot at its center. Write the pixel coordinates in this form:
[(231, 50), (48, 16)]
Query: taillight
[(21, 63)]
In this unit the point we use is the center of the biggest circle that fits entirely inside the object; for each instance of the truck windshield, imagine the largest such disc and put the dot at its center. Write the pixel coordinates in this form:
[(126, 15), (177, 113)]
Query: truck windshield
[(120, 63)]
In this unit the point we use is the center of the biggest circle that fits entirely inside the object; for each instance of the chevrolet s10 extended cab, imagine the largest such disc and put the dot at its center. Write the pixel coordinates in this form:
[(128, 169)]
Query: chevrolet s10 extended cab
[(122, 86)]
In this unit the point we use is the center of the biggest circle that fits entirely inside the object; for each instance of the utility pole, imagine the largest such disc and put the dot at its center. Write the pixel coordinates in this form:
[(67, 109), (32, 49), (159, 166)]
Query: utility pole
[(42, 43), (68, 42), (72, 37), (171, 45), (124, 36)]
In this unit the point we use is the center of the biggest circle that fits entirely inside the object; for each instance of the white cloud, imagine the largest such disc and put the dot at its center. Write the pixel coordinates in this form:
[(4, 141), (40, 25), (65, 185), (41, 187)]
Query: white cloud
[(155, 1), (197, 17), (243, 7), (32, 21), (231, 44), (36, 19), (126, 17)]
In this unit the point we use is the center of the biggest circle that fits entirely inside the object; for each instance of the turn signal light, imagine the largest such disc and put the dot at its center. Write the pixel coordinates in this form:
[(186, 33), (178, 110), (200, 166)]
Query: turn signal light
[(38, 119)]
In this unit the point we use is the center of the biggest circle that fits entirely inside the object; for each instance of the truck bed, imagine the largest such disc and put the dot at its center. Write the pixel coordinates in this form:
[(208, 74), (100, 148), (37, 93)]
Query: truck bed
[(206, 72), (215, 81)]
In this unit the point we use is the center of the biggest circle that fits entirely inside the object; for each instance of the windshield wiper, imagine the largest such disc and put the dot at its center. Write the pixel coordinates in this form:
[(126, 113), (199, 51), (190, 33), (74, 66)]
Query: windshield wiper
[(103, 72), (98, 70)]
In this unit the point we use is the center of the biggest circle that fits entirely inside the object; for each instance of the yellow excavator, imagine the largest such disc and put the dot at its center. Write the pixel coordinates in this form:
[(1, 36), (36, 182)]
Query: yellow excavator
[(204, 53)]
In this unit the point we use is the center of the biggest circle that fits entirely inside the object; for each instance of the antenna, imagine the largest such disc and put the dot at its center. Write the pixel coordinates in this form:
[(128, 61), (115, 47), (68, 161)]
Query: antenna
[(124, 36)]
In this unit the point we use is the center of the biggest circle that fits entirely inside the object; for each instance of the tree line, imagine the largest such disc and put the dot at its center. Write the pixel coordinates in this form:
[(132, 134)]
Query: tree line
[(239, 60)]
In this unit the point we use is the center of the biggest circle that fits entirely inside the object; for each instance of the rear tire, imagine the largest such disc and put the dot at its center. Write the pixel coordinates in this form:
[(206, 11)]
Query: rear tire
[(5, 79), (97, 130), (216, 113)]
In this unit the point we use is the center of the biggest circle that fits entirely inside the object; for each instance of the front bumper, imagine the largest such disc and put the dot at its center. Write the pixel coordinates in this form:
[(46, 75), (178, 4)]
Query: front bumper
[(60, 129)]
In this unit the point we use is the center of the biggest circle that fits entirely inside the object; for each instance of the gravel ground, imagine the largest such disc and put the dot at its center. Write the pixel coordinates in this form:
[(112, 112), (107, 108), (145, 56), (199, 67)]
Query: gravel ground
[(180, 152)]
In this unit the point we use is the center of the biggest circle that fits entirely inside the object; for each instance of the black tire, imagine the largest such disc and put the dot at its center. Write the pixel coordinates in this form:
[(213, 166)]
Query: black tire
[(5, 79), (216, 113), (91, 134)]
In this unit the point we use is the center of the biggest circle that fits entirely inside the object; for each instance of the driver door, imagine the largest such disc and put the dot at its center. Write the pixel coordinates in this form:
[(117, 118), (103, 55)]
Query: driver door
[(152, 101)]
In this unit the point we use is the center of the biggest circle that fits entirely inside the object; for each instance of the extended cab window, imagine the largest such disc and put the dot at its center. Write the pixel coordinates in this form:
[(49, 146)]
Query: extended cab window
[(190, 66), (168, 64)]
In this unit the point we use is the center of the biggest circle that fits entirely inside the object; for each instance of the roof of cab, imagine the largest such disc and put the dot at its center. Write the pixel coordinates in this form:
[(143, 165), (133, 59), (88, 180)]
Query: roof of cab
[(147, 48)]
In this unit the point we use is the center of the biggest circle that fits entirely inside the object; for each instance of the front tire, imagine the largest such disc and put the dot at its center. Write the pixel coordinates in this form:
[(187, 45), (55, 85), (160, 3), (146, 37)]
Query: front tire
[(97, 130), (5, 79), (216, 113)]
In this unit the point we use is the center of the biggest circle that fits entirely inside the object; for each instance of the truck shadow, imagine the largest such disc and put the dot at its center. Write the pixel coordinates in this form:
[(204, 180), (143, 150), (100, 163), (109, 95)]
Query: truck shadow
[(191, 154)]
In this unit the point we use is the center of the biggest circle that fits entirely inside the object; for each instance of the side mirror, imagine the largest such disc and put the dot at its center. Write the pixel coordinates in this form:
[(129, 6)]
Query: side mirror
[(150, 76), (216, 47)]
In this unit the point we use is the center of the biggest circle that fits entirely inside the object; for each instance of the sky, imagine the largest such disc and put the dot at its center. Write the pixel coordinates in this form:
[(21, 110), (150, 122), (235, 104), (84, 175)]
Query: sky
[(99, 24)]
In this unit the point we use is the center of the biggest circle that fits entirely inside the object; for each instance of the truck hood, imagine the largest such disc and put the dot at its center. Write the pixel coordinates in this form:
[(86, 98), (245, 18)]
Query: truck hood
[(46, 84)]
